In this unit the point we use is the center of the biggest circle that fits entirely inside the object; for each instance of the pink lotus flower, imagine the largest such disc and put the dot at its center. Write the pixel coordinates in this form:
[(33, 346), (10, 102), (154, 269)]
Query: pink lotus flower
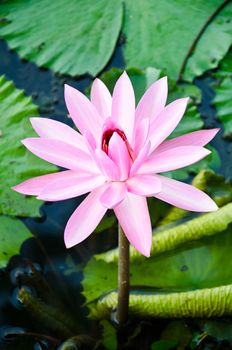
[(117, 157)]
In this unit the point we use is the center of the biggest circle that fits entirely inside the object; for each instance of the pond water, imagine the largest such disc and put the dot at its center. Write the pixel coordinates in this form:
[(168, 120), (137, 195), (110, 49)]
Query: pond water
[(43, 259)]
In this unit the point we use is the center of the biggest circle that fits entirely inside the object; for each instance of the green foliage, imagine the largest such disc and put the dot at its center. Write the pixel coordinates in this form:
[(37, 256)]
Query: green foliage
[(77, 342), (164, 345), (210, 302), (12, 233), (109, 336), (17, 164), (177, 331), (106, 223), (222, 100), (71, 37), (223, 104), (221, 330), (215, 185), (189, 257), (202, 226), (51, 317), (159, 34), (78, 37)]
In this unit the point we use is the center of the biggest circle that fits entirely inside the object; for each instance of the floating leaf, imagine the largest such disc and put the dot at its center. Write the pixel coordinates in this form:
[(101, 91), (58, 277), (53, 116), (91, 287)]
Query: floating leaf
[(159, 34), (50, 316), (71, 37), (12, 234), (221, 330), (207, 302), (207, 56), (164, 345), (215, 185), (225, 68), (109, 337), (106, 223), (205, 225), (223, 103), (189, 256), (17, 164), (179, 332), (77, 342)]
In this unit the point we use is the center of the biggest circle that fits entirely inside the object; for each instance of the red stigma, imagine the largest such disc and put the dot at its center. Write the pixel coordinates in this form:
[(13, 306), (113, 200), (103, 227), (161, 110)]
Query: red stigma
[(107, 136)]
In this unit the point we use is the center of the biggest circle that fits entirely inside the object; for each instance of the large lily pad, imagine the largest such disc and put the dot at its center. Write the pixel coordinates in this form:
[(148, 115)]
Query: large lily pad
[(222, 100), (189, 256), (161, 33), (17, 164), (12, 234), (71, 37)]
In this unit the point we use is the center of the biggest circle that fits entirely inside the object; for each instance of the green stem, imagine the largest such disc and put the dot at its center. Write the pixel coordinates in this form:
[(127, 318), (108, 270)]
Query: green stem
[(123, 277)]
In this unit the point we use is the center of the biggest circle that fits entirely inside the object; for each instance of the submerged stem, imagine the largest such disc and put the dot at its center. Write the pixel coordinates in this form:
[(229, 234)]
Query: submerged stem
[(123, 277)]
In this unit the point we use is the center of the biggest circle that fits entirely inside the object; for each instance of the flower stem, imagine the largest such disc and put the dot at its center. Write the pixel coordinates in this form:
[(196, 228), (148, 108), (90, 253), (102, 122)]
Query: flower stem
[(123, 277)]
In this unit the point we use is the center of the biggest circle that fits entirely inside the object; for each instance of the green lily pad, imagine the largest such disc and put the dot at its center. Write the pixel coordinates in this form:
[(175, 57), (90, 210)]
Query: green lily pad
[(189, 256), (223, 103), (12, 234), (225, 68), (221, 330), (17, 164), (164, 345), (109, 336), (159, 34), (71, 37)]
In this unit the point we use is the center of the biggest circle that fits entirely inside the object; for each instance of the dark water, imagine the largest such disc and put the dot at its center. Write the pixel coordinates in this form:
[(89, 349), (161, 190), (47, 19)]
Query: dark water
[(44, 258)]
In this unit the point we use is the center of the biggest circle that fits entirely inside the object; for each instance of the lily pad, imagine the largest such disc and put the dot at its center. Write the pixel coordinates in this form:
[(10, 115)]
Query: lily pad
[(222, 89), (109, 336), (12, 234), (197, 261), (71, 37), (17, 164), (159, 34)]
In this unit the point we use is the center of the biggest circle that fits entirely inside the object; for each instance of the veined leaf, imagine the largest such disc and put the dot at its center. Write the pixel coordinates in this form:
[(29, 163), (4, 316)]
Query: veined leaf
[(186, 257), (17, 164), (159, 34), (71, 37), (206, 302), (222, 100), (12, 234)]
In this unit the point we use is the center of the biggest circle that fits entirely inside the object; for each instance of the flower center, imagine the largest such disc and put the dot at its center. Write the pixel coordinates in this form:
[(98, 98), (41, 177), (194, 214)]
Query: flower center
[(106, 139)]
